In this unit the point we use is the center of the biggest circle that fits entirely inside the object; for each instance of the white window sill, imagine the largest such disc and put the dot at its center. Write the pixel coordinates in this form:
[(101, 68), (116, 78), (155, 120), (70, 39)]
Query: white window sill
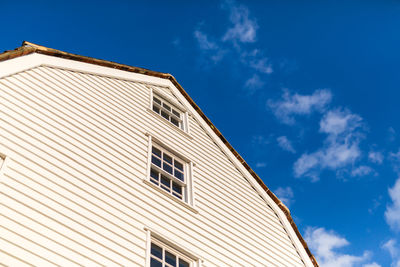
[(162, 191), (169, 124)]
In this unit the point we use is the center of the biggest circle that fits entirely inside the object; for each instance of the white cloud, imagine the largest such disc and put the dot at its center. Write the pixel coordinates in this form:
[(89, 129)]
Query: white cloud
[(390, 246), (285, 194), (204, 43), (336, 122), (261, 164), (375, 157), (325, 244), (375, 204), (244, 28), (241, 31), (391, 134), (361, 171), (261, 64), (335, 155), (340, 148), (394, 251), (392, 213), (307, 164), (373, 264), (211, 48), (256, 60), (296, 104), (395, 158), (254, 83), (285, 144)]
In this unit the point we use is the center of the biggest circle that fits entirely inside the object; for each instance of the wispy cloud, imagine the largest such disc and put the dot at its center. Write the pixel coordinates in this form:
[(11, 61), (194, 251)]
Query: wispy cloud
[(261, 164), (374, 264), (392, 213), (295, 104), (204, 42), (391, 134), (375, 204), (375, 157), (256, 60), (341, 146), (340, 122), (394, 250), (208, 47), (243, 27), (325, 244), (285, 144), (254, 83), (241, 31), (285, 194), (395, 158), (362, 171)]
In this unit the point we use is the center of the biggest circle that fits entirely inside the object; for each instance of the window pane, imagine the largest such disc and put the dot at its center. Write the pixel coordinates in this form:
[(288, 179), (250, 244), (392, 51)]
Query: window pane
[(167, 158), (176, 113), (155, 263), (158, 101), (167, 168), (165, 115), (183, 263), (175, 122), (170, 258), (165, 181), (166, 107), (177, 188), (178, 175), (156, 251), (178, 165), (156, 109), (154, 174), (177, 195), (156, 161), (156, 152)]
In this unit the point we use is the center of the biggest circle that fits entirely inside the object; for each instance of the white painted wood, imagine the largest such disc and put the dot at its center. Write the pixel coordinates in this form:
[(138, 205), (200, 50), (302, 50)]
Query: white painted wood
[(79, 137)]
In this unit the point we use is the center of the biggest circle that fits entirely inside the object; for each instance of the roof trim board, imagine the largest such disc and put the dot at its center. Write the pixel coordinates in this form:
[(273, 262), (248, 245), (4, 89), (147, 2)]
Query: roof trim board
[(28, 48)]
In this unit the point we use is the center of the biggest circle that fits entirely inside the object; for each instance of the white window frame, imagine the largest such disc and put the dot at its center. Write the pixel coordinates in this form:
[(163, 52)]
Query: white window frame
[(172, 103), (161, 172), (167, 244), (188, 193)]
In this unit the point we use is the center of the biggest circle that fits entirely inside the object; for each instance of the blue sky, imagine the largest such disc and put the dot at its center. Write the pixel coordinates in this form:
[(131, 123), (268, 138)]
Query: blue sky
[(307, 92)]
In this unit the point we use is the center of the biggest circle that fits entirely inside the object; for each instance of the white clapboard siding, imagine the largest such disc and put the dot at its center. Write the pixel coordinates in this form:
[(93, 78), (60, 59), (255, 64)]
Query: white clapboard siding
[(73, 193)]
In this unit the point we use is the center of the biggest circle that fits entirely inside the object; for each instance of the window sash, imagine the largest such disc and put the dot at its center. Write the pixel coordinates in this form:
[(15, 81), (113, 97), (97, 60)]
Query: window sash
[(165, 180), (158, 106), (171, 165), (180, 259), (171, 113), (171, 187)]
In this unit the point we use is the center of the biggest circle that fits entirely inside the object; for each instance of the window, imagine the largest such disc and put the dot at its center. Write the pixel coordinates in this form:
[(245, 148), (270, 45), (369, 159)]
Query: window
[(168, 111), (168, 172), (162, 251), (164, 256)]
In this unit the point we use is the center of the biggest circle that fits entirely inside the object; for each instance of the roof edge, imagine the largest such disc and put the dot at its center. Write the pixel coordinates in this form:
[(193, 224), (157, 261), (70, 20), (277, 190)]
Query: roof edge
[(29, 48)]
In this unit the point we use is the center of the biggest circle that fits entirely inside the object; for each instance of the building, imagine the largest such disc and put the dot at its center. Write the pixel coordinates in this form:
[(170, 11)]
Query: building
[(112, 165)]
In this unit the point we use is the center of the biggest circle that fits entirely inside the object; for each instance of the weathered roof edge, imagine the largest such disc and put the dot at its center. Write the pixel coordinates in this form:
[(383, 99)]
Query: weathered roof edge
[(29, 48)]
